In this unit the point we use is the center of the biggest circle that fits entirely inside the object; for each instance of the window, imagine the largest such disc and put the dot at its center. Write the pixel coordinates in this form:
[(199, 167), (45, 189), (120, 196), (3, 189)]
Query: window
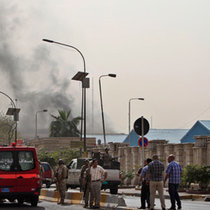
[(26, 160), (6, 160), (17, 160), (45, 166)]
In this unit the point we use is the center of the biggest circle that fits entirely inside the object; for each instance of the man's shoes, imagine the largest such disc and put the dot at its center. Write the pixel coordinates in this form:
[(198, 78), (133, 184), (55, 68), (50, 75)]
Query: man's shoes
[(163, 208), (172, 208), (96, 207), (151, 209), (142, 207), (91, 207), (85, 206), (179, 207)]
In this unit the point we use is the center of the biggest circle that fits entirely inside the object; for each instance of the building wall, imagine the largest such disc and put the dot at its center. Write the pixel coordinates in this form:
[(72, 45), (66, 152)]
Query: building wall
[(54, 143), (186, 154)]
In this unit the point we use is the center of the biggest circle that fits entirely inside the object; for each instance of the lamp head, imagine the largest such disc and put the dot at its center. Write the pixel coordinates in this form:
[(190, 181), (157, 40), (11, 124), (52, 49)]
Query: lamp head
[(44, 110), (141, 99), (47, 40), (112, 75)]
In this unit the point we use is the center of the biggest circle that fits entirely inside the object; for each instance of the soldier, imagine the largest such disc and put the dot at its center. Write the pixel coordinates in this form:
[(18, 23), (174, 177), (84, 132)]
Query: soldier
[(87, 185), (61, 176), (81, 178)]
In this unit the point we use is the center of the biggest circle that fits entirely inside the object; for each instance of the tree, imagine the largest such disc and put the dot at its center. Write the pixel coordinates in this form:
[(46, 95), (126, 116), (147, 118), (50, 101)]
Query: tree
[(64, 125), (52, 157), (7, 126)]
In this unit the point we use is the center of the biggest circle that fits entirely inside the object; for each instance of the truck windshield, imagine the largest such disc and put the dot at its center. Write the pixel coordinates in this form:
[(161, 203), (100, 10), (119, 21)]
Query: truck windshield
[(16, 160)]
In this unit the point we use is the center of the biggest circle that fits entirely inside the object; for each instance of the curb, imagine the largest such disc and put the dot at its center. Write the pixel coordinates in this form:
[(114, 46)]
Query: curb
[(107, 201)]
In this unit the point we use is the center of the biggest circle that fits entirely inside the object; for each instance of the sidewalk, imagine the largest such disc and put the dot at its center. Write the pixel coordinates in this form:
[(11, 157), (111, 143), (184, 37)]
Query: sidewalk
[(183, 195)]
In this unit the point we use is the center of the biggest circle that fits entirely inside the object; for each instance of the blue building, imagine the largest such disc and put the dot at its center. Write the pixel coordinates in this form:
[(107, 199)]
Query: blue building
[(200, 128), (173, 136)]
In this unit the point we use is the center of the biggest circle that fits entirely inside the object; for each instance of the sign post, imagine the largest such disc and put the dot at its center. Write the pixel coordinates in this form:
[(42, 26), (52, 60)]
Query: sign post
[(141, 127), (142, 137)]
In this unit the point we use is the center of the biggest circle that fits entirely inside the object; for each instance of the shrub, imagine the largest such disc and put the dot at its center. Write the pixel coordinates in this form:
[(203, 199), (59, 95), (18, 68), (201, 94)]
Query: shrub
[(52, 157), (196, 174)]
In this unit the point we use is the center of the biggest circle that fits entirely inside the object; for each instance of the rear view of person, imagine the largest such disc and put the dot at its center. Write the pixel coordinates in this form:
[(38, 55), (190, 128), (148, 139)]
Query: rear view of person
[(155, 179)]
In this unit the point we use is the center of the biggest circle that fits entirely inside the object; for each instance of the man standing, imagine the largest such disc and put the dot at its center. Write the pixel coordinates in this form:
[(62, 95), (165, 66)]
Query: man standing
[(155, 179), (87, 185), (81, 178), (145, 186), (61, 176), (107, 158), (96, 173), (173, 172)]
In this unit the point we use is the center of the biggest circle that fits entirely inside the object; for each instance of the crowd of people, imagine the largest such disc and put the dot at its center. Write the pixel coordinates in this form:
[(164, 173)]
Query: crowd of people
[(151, 180)]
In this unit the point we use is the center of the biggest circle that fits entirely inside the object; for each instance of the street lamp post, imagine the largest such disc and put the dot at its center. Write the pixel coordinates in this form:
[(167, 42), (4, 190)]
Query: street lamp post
[(44, 110), (83, 111), (102, 112), (129, 116)]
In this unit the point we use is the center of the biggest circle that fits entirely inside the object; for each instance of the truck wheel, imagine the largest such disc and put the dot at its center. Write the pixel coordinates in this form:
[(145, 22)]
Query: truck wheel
[(114, 190), (34, 200)]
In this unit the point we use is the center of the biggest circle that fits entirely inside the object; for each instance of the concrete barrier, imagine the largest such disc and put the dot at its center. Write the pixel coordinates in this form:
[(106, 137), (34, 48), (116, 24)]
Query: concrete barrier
[(109, 201)]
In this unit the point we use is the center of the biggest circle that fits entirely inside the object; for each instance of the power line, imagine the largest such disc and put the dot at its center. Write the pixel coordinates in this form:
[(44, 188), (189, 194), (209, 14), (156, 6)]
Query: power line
[(196, 117)]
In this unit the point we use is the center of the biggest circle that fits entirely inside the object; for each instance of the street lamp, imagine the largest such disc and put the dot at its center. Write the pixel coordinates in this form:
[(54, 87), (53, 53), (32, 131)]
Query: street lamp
[(102, 112), (129, 118), (83, 90), (44, 110), (81, 76)]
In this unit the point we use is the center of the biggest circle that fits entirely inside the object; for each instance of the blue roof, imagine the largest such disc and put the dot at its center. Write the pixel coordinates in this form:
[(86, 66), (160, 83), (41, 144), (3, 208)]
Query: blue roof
[(171, 135), (200, 128)]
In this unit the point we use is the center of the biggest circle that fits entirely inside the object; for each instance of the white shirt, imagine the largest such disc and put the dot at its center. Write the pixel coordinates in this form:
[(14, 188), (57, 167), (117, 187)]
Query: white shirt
[(96, 173)]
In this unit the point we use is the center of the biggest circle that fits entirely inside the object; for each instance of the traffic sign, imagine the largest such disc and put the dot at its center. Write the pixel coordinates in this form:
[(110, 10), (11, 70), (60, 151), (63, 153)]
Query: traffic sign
[(146, 142), (138, 126)]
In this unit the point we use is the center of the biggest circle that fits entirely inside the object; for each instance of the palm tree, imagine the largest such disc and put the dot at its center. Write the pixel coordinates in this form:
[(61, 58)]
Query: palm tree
[(62, 126)]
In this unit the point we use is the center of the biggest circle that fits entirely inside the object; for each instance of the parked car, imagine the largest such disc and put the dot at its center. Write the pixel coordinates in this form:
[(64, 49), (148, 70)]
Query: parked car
[(113, 178), (48, 177), (19, 174)]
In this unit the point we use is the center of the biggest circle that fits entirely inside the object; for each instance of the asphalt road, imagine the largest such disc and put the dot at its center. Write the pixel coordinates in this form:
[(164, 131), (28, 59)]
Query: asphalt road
[(130, 201)]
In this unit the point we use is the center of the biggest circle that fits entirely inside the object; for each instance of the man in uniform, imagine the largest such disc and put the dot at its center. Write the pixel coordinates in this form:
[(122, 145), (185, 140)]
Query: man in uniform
[(87, 185), (61, 176), (81, 178)]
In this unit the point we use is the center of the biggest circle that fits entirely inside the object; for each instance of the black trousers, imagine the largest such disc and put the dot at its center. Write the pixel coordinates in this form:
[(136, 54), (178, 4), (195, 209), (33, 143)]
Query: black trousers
[(145, 194), (174, 196)]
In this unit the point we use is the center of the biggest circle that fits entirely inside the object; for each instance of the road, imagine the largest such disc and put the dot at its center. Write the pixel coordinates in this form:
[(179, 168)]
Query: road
[(130, 201)]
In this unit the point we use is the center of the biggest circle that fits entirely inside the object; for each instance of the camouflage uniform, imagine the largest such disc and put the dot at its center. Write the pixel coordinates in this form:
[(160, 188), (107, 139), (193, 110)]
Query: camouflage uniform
[(81, 178), (87, 185), (61, 176)]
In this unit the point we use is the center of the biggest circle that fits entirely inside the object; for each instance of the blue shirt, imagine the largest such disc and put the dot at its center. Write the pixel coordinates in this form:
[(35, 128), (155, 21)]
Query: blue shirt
[(155, 169), (174, 172), (144, 172)]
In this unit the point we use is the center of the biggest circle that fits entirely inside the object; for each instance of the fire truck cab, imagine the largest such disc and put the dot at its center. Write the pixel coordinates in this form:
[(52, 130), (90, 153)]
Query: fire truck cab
[(19, 174)]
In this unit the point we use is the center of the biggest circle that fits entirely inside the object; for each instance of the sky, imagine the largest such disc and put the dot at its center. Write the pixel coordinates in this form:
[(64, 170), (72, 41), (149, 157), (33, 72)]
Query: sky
[(159, 51)]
